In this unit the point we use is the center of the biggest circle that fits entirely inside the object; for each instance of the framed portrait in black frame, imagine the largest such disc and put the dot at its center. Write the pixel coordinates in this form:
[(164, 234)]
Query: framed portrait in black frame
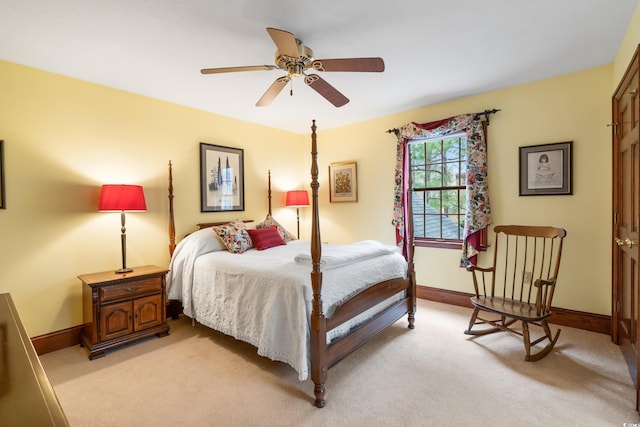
[(221, 178), (545, 170)]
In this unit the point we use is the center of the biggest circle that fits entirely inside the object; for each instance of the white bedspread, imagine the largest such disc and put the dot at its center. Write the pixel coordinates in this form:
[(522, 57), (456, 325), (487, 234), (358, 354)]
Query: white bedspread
[(264, 297)]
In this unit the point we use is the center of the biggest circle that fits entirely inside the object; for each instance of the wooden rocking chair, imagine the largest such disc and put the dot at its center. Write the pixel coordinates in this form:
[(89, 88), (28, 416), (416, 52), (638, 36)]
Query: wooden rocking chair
[(519, 285)]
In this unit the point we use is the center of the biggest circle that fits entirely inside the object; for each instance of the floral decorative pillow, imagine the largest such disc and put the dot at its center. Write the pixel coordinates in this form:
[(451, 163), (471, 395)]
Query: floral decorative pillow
[(234, 236), (270, 221)]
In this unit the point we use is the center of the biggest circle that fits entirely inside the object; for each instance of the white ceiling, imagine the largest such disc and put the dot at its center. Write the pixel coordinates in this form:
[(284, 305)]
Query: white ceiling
[(434, 51)]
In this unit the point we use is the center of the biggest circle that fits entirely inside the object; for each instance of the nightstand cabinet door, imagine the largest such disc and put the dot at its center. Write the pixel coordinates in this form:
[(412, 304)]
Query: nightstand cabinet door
[(148, 312), (121, 308), (116, 320)]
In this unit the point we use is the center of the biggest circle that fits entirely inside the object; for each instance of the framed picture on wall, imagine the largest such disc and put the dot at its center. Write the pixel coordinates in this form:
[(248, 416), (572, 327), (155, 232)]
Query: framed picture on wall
[(545, 169), (221, 178), (3, 204), (343, 182)]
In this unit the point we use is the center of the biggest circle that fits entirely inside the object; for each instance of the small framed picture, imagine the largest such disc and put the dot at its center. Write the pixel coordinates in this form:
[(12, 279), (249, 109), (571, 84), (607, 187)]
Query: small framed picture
[(343, 182), (221, 178), (545, 170)]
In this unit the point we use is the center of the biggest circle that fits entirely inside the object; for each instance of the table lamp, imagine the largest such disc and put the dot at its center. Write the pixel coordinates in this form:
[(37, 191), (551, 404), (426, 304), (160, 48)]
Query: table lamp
[(297, 199), (121, 197)]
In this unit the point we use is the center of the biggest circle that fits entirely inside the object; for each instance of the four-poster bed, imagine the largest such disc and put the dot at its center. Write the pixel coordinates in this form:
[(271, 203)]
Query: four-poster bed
[(331, 316)]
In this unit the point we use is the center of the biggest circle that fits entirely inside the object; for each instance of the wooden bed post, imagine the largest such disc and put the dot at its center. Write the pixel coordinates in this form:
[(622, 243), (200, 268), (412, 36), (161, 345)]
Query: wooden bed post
[(411, 273), (269, 189), (172, 225), (318, 333)]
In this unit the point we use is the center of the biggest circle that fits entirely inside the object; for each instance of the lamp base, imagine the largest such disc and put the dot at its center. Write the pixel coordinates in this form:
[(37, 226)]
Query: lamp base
[(124, 270)]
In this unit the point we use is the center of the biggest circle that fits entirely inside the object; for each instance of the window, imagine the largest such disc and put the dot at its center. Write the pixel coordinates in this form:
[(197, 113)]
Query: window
[(438, 180)]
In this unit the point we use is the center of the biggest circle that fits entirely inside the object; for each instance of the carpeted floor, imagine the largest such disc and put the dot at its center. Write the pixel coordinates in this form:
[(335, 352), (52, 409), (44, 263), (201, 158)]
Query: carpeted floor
[(433, 375)]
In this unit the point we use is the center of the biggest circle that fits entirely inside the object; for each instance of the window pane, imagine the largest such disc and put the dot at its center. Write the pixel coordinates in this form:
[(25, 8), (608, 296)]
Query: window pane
[(418, 202), (433, 208), (434, 175), (450, 201), (452, 149), (419, 226), (434, 229), (418, 177), (433, 205), (433, 151), (463, 174), (452, 174), (418, 205), (461, 225), (450, 210), (417, 153)]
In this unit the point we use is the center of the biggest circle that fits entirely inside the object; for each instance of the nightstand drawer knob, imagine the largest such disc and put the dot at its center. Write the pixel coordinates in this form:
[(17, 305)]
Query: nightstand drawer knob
[(132, 288)]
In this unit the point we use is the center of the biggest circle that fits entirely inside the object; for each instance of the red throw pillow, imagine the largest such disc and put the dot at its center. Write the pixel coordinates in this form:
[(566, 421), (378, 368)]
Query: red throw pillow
[(265, 238)]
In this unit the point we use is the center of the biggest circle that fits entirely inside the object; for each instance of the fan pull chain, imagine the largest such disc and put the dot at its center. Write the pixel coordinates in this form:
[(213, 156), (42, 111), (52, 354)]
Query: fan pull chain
[(291, 87)]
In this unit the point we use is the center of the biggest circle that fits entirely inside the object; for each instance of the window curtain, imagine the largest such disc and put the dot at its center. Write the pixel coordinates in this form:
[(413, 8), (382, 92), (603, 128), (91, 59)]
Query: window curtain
[(478, 211)]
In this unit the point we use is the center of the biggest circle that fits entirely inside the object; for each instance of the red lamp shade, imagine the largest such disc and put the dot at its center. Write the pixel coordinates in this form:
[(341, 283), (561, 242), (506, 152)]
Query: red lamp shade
[(122, 198), (297, 198)]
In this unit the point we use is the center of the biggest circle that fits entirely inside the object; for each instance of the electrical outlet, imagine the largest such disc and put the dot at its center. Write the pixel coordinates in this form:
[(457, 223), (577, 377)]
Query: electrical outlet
[(527, 277)]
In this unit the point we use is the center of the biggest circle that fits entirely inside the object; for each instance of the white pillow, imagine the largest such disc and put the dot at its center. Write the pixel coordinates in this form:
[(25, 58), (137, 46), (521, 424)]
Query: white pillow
[(184, 257), (203, 241)]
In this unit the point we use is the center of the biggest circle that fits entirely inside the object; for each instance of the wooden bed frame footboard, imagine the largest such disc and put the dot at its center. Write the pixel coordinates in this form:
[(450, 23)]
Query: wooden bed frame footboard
[(323, 355)]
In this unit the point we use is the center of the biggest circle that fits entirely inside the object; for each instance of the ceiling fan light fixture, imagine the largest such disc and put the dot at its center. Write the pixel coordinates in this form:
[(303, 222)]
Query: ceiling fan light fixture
[(295, 69), (304, 59)]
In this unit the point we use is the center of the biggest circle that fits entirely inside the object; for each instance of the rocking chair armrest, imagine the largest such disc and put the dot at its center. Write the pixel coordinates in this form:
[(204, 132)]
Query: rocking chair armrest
[(539, 283), (544, 295), (471, 268)]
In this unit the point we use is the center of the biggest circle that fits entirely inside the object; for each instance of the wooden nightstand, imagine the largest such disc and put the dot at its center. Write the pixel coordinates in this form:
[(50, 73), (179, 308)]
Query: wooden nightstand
[(121, 308)]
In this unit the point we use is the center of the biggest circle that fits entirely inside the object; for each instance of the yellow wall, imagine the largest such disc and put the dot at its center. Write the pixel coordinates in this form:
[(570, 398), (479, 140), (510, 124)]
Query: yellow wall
[(65, 137), (574, 107)]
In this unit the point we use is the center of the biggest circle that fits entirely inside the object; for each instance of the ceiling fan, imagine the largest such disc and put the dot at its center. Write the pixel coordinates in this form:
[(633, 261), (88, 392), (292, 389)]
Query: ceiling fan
[(295, 58)]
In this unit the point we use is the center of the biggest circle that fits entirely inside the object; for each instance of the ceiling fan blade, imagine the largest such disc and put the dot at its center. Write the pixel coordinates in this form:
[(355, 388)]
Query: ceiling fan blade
[(234, 69), (372, 65), (285, 42), (330, 93), (273, 91)]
